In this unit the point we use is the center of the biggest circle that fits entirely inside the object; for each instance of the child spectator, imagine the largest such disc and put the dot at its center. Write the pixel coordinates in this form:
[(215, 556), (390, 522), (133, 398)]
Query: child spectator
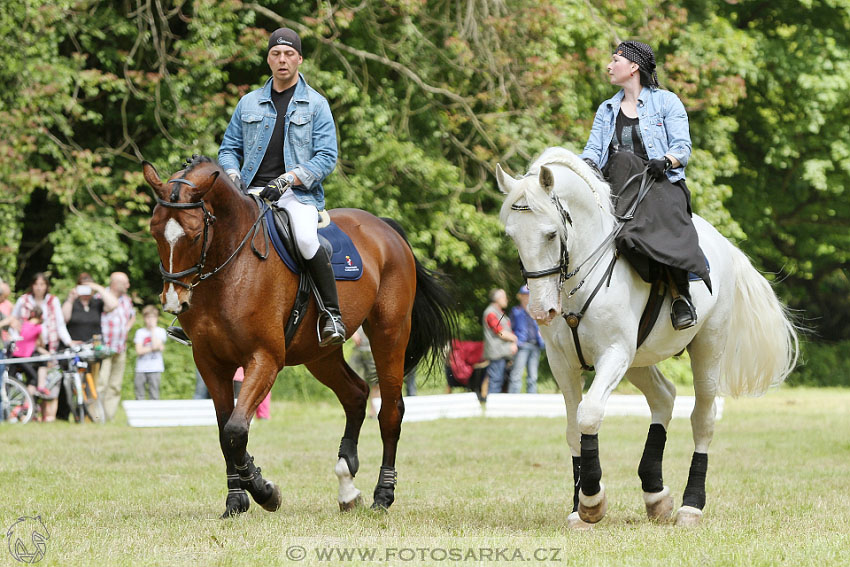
[(32, 339), (150, 342)]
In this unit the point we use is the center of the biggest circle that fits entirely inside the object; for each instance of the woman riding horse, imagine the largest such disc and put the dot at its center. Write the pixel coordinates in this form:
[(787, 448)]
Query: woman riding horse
[(643, 127)]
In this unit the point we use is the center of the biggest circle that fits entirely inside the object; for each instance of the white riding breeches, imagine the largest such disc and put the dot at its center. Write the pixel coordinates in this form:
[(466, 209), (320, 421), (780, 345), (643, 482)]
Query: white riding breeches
[(305, 223)]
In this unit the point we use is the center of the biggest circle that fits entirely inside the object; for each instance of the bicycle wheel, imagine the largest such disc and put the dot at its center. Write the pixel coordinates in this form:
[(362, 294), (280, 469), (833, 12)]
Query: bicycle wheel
[(94, 407), (74, 394), (17, 402)]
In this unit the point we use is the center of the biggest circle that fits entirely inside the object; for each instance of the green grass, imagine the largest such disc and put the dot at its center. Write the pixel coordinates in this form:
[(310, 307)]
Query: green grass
[(779, 475)]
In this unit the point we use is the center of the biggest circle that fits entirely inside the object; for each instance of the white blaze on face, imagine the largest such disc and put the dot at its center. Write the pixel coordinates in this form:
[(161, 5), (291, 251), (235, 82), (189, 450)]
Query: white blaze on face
[(173, 232)]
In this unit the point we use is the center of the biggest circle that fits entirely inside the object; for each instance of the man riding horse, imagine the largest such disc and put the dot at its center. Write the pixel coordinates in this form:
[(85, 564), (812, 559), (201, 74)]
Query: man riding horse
[(286, 160)]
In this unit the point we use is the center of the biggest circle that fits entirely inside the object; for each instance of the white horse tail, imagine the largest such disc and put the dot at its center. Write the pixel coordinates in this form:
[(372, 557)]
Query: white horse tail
[(761, 345)]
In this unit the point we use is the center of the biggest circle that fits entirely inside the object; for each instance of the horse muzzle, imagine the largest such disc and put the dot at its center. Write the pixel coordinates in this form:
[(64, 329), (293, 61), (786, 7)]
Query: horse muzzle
[(544, 318), (174, 299)]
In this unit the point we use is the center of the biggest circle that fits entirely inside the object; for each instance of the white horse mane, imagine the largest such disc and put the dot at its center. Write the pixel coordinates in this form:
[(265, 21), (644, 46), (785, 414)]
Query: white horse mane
[(538, 200)]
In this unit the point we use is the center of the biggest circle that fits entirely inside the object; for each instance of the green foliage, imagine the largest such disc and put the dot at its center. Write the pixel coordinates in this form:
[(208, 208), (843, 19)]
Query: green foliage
[(428, 95), (824, 364), (85, 245)]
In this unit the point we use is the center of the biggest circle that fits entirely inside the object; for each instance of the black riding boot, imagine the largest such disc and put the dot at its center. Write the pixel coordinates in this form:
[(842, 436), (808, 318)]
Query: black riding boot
[(333, 331), (683, 315)]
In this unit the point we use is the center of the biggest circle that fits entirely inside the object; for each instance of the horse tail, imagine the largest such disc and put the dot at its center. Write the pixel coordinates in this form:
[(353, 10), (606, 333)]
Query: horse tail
[(434, 318), (762, 345)]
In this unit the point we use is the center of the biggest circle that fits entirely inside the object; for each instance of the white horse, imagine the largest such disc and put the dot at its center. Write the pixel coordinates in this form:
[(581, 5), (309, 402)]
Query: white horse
[(561, 218)]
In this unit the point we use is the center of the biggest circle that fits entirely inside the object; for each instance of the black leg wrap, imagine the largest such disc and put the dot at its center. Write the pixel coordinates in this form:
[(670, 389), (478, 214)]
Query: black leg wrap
[(695, 489), (237, 500), (591, 470), (251, 479), (650, 468), (576, 481), (348, 451), (384, 494)]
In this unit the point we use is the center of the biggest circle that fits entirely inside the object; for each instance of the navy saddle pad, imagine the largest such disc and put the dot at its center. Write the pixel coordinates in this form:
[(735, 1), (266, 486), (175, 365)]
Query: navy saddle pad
[(695, 278), (346, 261)]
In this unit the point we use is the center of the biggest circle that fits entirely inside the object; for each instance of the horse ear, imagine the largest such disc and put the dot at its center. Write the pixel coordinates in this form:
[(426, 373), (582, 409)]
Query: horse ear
[(547, 179), (152, 178), (502, 179)]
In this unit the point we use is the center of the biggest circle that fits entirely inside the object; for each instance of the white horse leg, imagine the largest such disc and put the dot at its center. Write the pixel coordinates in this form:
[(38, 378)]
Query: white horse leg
[(706, 373), (610, 369), (349, 496), (660, 393), (571, 382)]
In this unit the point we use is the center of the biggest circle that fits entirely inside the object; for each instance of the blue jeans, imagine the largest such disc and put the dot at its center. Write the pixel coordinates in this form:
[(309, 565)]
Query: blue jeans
[(527, 357), (496, 375)]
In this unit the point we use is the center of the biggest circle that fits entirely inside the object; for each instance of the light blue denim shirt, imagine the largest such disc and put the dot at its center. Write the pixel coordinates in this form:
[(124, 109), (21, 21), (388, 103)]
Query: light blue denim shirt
[(663, 125), (309, 139)]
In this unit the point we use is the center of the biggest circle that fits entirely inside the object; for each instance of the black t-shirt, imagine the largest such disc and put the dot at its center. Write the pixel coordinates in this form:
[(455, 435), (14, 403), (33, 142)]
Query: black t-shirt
[(273, 165), (627, 137), (83, 324)]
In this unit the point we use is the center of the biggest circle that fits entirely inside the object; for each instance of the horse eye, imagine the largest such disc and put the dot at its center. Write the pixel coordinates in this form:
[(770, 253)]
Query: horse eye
[(551, 236), (197, 237)]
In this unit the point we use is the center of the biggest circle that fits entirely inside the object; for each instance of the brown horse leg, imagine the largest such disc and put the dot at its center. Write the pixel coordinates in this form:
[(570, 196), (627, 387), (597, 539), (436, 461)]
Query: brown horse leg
[(234, 437), (221, 392), (353, 394)]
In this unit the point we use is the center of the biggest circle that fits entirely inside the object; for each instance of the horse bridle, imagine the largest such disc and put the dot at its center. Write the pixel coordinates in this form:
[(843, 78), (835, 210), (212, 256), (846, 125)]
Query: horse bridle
[(209, 219), (563, 265)]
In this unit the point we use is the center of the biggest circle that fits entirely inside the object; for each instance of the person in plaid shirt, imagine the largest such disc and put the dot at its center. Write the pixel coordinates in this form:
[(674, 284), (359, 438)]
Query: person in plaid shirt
[(115, 325)]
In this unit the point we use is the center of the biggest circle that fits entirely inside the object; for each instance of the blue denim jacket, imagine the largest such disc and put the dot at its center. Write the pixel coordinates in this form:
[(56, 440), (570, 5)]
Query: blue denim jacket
[(309, 139), (663, 125)]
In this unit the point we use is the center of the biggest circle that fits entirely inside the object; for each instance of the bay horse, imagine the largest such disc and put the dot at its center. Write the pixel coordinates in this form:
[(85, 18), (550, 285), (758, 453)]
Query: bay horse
[(561, 219), (233, 305)]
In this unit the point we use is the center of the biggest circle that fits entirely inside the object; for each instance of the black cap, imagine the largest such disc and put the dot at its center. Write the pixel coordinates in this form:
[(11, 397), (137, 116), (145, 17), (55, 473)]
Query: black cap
[(285, 36)]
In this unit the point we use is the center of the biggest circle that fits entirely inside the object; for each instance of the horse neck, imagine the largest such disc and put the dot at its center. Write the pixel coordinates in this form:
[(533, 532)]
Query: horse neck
[(590, 210), (234, 215)]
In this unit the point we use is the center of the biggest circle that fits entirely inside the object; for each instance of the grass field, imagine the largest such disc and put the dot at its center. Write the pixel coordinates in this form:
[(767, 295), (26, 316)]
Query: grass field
[(471, 492)]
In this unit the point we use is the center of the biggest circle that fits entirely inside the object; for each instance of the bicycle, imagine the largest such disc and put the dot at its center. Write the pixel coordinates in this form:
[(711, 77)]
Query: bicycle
[(16, 403), (79, 384)]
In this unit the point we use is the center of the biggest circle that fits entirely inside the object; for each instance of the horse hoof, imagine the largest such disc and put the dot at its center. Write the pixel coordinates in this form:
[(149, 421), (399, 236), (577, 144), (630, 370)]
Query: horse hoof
[(272, 504), (591, 509), (379, 507), (688, 517), (574, 522), (353, 504), (236, 503), (659, 505)]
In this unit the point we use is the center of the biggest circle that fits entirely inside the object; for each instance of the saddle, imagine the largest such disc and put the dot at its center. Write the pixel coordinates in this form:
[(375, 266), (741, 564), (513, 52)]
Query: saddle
[(657, 292), (345, 259)]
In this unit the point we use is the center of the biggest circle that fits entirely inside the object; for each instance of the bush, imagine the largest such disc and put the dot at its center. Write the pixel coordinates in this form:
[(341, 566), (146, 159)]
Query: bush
[(823, 364)]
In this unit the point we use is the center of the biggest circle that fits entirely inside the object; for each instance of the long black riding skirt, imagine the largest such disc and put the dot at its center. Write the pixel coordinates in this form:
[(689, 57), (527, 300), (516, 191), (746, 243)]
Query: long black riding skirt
[(661, 232)]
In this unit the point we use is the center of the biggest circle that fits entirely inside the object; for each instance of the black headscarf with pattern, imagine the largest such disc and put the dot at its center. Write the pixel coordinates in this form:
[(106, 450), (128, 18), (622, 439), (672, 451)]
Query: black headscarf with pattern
[(641, 54)]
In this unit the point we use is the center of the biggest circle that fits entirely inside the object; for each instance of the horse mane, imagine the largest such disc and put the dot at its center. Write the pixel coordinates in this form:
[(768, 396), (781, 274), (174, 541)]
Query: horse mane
[(538, 200), (197, 160)]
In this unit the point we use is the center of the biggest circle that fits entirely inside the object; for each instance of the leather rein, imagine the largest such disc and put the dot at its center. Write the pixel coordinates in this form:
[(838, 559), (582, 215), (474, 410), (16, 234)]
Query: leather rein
[(209, 219), (573, 319)]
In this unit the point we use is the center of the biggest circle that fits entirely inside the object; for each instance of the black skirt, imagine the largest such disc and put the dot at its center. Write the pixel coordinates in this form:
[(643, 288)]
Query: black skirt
[(661, 232)]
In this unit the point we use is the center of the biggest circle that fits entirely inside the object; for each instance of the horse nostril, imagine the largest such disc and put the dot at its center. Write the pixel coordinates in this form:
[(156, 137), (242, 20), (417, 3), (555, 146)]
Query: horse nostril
[(184, 307)]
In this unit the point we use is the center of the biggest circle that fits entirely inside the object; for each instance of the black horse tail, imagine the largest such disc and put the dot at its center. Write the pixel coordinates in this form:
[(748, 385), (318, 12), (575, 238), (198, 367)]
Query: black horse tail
[(434, 318)]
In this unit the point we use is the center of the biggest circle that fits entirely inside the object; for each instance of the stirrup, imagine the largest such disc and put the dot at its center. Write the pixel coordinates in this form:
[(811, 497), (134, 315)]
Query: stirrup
[(688, 319), (179, 335)]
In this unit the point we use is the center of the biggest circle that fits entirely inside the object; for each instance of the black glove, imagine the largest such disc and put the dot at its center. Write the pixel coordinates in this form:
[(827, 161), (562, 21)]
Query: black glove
[(273, 191), (657, 167), (595, 168)]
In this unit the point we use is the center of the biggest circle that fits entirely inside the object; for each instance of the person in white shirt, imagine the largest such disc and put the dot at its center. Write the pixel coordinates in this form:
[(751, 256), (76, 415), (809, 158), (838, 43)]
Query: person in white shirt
[(150, 342)]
